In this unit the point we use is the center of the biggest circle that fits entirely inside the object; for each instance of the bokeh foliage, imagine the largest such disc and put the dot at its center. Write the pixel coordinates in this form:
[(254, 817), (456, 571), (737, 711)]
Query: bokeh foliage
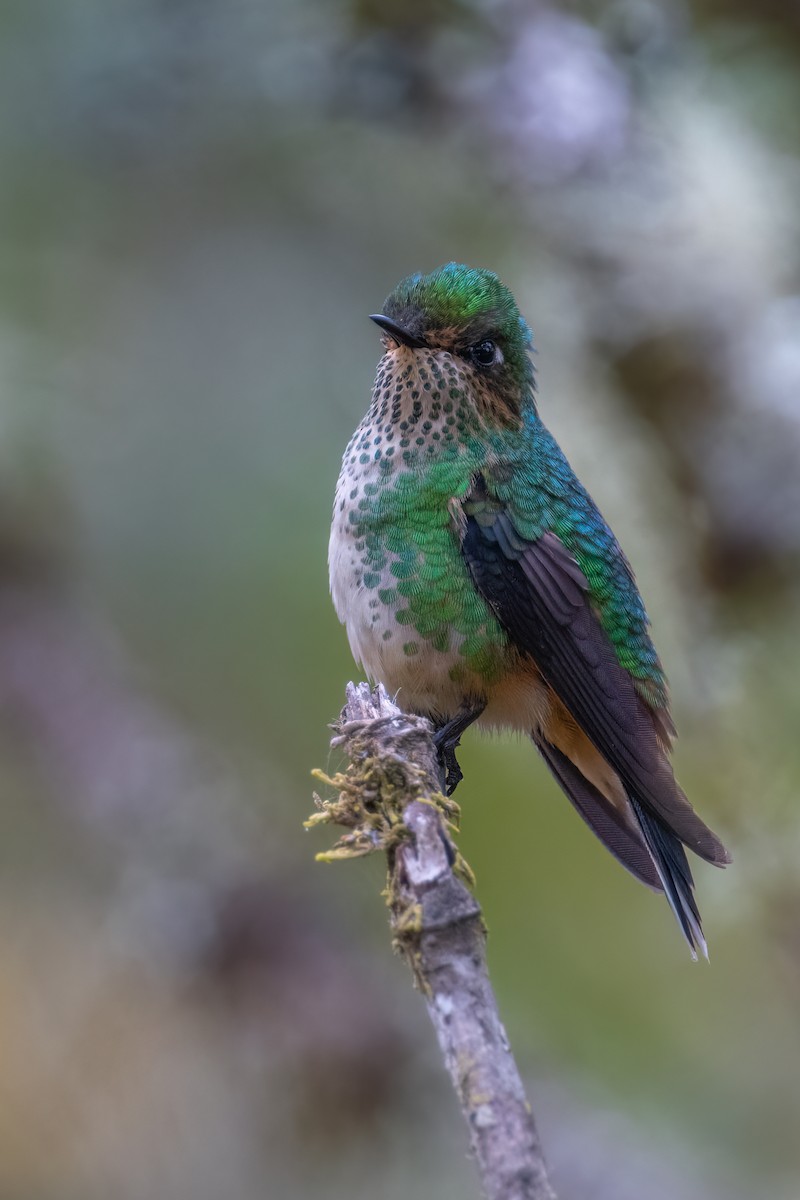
[(201, 203)]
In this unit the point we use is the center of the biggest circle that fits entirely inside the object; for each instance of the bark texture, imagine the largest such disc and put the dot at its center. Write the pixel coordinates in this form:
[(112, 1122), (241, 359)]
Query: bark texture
[(390, 799)]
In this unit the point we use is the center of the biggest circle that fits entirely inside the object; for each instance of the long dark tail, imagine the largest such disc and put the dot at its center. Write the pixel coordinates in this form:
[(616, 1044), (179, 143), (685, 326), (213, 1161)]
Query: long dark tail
[(652, 853), (675, 874), (621, 838)]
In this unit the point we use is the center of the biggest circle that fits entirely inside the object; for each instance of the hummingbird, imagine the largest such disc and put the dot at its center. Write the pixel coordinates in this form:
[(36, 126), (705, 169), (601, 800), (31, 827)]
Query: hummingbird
[(479, 582)]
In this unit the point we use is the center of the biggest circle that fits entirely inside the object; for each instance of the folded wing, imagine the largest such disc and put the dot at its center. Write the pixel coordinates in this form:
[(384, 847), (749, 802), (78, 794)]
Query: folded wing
[(544, 601)]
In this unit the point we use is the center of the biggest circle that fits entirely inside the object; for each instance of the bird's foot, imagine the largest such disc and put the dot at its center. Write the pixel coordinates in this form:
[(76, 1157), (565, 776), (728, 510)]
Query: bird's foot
[(446, 740), (451, 771)]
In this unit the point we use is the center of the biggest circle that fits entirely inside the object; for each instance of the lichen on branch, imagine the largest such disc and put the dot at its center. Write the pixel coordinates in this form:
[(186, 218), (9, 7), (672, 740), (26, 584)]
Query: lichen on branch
[(389, 799)]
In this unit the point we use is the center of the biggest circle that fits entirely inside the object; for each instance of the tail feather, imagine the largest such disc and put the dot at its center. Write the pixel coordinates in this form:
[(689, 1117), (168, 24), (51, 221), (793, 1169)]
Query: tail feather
[(675, 874), (622, 839), (644, 845)]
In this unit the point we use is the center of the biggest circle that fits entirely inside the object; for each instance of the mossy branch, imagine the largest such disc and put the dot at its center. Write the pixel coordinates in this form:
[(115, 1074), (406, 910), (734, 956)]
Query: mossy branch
[(389, 799)]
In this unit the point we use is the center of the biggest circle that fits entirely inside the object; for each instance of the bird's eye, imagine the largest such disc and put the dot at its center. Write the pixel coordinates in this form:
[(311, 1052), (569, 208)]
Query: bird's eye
[(484, 354)]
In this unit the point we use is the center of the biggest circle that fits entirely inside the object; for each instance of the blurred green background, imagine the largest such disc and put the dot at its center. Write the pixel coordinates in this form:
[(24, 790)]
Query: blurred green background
[(200, 203)]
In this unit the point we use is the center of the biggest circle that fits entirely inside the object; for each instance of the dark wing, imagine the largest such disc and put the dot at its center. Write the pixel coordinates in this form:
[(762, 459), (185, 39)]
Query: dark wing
[(543, 600)]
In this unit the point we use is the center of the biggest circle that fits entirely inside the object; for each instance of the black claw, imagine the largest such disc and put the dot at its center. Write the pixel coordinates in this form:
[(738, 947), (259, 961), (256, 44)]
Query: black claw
[(446, 740), (451, 771)]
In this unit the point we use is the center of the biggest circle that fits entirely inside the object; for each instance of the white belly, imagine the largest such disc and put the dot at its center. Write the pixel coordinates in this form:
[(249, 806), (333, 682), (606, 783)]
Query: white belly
[(389, 652), (379, 643), (422, 681)]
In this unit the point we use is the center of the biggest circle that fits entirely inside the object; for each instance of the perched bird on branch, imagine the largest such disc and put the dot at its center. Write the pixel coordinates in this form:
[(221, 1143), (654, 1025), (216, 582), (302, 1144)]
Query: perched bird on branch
[(478, 580)]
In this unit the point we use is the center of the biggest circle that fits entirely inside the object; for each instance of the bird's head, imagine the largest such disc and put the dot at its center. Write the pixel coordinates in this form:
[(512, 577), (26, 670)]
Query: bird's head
[(469, 316)]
